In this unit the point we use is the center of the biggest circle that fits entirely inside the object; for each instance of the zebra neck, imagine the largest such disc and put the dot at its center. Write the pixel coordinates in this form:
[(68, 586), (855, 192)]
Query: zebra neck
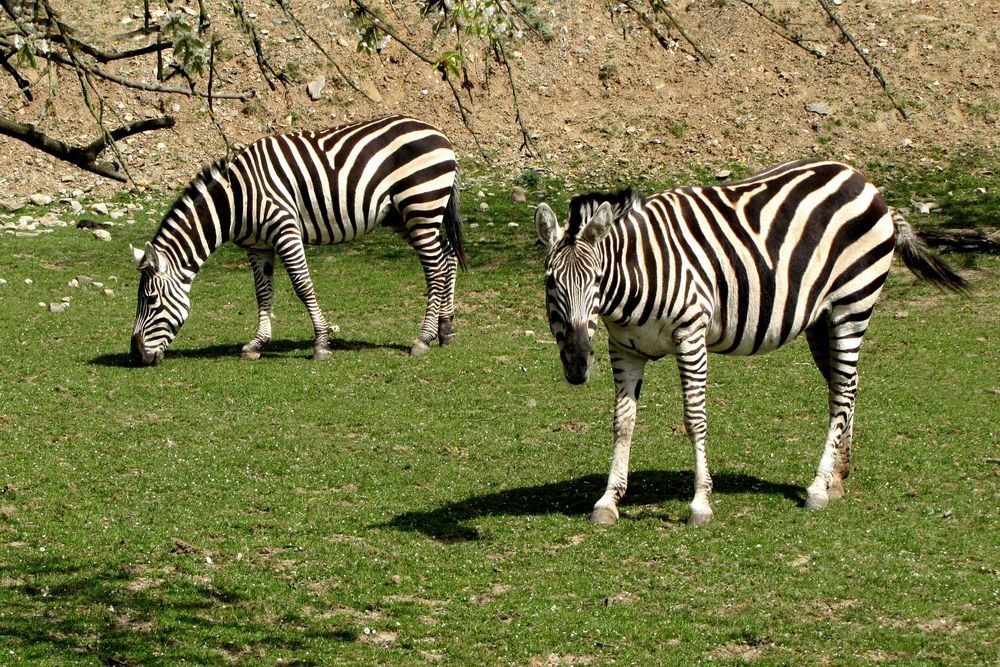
[(199, 222)]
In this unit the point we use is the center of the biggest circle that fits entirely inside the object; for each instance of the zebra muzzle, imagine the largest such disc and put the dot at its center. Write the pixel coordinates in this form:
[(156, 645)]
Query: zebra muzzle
[(577, 355), (141, 356)]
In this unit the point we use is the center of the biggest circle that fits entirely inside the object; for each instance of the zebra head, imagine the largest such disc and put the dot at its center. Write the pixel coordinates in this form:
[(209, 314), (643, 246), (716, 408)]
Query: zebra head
[(573, 272), (163, 305)]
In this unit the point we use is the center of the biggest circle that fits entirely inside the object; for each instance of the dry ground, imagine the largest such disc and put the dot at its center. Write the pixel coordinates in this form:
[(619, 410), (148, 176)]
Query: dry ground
[(602, 98)]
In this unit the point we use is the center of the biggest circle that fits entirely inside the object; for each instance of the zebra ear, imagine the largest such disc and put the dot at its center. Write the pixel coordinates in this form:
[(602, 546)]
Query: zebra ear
[(154, 259), (547, 226), (138, 255), (599, 224)]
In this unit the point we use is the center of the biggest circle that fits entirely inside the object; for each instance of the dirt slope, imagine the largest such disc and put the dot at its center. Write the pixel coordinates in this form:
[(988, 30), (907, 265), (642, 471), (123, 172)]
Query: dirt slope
[(601, 98)]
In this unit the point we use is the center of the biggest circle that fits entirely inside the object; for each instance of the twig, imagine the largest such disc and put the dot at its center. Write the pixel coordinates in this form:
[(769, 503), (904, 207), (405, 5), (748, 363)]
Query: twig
[(340, 72), (659, 7), (129, 83), (387, 29), (780, 27), (262, 63), (872, 67), (527, 143)]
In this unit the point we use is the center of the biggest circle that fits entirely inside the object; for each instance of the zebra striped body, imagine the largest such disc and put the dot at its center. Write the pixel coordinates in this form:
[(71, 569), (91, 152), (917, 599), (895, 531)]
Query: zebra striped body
[(739, 268), (286, 190)]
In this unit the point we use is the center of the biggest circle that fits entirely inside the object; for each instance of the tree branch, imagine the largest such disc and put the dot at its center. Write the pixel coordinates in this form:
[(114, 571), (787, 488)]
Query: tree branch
[(84, 157), (872, 67)]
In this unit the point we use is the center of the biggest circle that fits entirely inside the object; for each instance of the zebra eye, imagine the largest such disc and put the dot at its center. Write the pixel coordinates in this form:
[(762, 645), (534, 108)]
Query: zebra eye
[(151, 300)]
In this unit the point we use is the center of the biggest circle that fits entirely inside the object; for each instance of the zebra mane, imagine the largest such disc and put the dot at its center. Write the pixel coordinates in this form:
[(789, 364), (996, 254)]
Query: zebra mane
[(212, 171), (582, 207)]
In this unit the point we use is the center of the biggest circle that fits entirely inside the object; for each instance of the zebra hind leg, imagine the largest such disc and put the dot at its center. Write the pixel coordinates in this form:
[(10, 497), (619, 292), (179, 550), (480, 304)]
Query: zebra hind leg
[(835, 350), (446, 314)]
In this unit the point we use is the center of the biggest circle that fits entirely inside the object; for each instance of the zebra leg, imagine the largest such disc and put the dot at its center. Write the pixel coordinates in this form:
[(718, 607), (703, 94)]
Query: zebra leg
[(818, 336), (628, 371), (844, 343), (262, 266), (426, 241), (446, 313), (293, 256), (692, 363)]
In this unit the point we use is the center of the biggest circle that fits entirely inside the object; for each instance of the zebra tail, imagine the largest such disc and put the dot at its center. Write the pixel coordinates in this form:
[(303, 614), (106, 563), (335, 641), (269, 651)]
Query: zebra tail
[(453, 226), (922, 262)]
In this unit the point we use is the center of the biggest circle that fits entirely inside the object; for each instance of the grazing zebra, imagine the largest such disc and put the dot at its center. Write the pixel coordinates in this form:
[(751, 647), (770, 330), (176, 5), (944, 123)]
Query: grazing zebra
[(738, 268), (281, 191)]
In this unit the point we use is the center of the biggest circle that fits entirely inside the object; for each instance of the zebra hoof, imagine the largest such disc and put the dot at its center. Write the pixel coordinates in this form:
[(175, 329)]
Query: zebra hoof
[(446, 339), (604, 516), (836, 490), (419, 348), (249, 355), (700, 517), (322, 354), (816, 500)]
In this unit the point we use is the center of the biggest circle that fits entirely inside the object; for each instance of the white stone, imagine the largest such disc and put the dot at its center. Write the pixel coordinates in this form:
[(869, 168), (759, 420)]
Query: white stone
[(58, 307), (40, 200), (102, 235), (315, 87), (76, 206), (101, 209)]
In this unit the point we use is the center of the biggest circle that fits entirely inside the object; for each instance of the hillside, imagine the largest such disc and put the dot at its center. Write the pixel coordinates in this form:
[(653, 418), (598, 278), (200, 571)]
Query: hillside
[(601, 98)]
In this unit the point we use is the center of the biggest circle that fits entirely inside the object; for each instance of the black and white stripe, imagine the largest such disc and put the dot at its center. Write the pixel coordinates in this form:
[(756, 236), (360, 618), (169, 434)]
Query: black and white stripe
[(738, 268), (286, 190)]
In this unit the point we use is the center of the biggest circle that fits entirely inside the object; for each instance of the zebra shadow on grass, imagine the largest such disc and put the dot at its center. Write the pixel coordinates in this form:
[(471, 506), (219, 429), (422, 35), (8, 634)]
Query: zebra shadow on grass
[(275, 348), (576, 497)]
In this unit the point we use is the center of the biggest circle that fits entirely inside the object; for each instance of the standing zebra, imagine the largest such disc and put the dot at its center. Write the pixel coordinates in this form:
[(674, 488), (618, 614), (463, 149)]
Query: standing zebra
[(739, 268), (321, 187)]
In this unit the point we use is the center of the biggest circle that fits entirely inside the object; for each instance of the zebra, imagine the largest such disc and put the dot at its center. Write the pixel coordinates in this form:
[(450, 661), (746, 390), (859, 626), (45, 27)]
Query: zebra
[(736, 268), (316, 187)]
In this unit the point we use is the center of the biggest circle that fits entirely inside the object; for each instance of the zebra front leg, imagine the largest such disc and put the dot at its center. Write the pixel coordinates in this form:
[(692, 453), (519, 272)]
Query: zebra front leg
[(292, 254), (262, 266), (628, 371), (692, 363)]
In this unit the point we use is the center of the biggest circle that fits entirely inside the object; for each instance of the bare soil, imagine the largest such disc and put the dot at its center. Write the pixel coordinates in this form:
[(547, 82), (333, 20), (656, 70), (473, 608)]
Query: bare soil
[(602, 100)]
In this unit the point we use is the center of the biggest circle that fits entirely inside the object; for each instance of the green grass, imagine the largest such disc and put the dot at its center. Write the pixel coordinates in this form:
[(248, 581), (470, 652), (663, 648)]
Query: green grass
[(378, 509)]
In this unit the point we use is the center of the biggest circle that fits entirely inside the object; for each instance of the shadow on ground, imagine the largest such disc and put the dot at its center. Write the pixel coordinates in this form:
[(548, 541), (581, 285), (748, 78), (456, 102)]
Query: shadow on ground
[(576, 497), (228, 350)]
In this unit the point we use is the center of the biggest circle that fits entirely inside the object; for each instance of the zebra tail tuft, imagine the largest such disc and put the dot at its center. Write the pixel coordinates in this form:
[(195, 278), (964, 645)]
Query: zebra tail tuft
[(453, 226), (922, 262)]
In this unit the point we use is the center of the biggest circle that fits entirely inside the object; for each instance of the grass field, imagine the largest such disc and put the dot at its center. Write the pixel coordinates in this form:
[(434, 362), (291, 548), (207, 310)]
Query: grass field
[(381, 509)]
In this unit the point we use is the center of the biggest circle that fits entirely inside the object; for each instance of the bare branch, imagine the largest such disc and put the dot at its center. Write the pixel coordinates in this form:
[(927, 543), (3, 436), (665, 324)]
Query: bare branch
[(84, 157), (659, 7), (340, 72), (872, 67)]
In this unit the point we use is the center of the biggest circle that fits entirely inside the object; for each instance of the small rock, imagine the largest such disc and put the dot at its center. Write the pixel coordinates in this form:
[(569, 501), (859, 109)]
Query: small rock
[(102, 235), (76, 206), (529, 333), (820, 108), (315, 87), (58, 307), (73, 283), (518, 194), (2, 281), (12, 205), (925, 207), (108, 291), (900, 315), (40, 200), (100, 209), (483, 206), (29, 281), (513, 225), (724, 174), (84, 280)]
